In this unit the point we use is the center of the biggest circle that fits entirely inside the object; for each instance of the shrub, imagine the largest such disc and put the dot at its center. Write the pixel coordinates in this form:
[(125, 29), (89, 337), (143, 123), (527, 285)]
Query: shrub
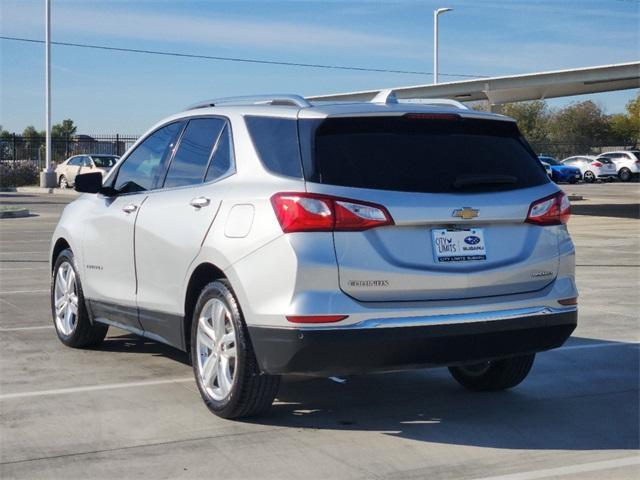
[(18, 173)]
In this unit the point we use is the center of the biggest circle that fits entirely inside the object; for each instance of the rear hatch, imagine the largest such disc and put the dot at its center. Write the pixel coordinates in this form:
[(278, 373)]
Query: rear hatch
[(458, 190)]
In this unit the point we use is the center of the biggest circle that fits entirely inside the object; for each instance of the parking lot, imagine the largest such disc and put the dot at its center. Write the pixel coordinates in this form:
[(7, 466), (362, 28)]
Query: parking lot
[(130, 409)]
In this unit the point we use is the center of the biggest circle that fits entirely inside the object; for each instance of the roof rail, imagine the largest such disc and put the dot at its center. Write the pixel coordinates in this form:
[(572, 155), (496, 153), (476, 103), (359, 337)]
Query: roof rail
[(286, 99), (438, 101)]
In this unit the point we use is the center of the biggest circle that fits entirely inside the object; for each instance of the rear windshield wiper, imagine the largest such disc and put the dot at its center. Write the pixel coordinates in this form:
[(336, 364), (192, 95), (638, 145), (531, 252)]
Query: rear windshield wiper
[(465, 181)]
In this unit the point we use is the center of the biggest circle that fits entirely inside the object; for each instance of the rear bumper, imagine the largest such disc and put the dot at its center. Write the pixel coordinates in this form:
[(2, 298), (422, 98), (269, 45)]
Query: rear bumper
[(323, 351)]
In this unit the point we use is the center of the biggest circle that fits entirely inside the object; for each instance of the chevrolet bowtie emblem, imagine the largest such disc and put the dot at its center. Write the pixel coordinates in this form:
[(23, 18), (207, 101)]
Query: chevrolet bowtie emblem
[(466, 213)]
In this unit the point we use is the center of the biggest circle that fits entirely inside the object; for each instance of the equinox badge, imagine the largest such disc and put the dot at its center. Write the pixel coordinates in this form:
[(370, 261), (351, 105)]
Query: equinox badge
[(466, 213)]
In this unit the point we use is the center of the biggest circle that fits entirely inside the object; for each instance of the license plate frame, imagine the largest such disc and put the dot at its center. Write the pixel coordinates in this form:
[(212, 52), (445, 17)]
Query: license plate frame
[(458, 245)]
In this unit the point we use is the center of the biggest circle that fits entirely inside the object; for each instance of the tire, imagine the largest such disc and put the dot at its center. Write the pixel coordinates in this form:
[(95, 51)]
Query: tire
[(62, 182), (494, 375), (625, 174), (589, 176), (73, 326), (233, 386)]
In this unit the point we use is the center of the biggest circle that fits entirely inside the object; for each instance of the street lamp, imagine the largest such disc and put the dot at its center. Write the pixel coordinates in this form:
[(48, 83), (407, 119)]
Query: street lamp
[(47, 176), (435, 41)]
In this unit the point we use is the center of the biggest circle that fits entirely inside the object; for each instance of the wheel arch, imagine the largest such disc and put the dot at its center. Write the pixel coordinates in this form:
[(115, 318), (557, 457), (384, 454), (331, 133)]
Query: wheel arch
[(60, 245), (201, 276)]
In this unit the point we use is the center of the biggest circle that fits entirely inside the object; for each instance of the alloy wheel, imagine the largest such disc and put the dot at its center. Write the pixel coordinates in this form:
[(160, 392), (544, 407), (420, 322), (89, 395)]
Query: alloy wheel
[(216, 349), (65, 298)]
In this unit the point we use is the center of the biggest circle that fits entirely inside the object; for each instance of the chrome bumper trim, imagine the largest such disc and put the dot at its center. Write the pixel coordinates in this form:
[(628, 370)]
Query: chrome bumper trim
[(448, 319)]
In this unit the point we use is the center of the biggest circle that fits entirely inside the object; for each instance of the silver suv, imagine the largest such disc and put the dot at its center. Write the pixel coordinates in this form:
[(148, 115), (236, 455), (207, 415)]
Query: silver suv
[(270, 236)]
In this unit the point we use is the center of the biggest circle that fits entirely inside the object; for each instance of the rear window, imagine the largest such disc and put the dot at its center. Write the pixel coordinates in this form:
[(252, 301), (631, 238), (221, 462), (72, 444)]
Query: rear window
[(276, 142), (422, 155)]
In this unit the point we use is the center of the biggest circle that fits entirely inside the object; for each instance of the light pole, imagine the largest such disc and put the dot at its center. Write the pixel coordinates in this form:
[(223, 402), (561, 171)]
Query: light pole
[(47, 176), (435, 41)]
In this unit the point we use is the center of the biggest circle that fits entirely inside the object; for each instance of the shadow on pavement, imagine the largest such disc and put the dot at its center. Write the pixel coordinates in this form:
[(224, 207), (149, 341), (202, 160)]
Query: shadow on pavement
[(564, 404), (135, 344), (617, 210)]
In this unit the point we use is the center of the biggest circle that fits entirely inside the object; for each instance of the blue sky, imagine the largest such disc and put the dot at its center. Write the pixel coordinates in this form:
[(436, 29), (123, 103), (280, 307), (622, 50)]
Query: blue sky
[(109, 92)]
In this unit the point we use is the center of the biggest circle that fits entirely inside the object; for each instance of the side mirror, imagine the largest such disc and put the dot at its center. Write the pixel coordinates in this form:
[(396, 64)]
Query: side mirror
[(88, 182), (92, 183)]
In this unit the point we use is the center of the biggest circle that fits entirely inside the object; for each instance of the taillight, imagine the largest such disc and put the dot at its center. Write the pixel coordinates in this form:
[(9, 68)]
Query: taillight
[(552, 210), (311, 212), (596, 164)]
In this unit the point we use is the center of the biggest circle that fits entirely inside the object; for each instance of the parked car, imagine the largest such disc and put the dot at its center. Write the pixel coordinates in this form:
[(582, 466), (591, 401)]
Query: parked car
[(627, 163), (561, 173), (274, 236), (592, 169), (67, 171), (547, 168)]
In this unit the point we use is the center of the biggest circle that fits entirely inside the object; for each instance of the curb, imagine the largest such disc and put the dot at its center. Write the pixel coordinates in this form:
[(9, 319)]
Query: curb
[(18, 213), (52, 191)]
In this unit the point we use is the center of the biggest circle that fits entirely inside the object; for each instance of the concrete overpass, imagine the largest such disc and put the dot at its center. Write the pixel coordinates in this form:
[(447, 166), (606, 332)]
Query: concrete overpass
[(515, 88)]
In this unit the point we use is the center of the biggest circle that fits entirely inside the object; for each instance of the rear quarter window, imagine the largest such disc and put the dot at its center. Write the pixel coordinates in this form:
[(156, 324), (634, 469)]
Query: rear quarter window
[(276, 142), (422, 155)]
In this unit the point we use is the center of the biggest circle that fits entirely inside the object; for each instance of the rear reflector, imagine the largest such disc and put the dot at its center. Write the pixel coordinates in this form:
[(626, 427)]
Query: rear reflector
[(315, 318), (311, 212), (568, 301), (552, 210)]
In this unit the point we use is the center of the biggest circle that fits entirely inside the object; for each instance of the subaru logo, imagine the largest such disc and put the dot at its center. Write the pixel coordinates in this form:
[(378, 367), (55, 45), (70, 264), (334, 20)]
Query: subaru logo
[(472, 240)]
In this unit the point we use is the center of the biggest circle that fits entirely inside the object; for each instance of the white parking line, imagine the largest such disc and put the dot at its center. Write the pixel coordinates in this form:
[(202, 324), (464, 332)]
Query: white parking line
[(20, 329), (18, 253), (569, 470), (93, 388), (12, 292), (43, 267)]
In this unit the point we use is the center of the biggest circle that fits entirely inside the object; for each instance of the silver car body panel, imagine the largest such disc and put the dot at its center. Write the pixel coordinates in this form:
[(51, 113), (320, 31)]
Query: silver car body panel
[(146, 259)]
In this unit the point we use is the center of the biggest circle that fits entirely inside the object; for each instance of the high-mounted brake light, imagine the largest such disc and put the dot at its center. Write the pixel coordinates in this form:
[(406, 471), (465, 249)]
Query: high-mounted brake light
[(552, 210), (311, 212), (432, 116), (596, 164)]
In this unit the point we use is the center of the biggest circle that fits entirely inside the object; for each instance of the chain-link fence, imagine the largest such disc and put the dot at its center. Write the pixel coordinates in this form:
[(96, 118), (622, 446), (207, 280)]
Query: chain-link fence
[(18, 147)]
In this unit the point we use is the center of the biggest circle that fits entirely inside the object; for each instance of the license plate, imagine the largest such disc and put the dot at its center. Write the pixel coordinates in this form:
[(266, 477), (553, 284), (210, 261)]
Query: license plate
[(458, 245)]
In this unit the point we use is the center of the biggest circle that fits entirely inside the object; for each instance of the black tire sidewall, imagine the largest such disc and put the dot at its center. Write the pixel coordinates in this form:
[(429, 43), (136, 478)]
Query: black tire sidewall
[(625, 174), (222, 291), (83, 315)]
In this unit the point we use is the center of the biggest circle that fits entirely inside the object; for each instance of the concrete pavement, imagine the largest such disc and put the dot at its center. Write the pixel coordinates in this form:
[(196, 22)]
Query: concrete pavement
[(130, 409)]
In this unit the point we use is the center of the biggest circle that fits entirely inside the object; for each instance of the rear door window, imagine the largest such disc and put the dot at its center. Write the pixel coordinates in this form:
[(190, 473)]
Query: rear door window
[(222, 159), (418, 154), (190, 162)]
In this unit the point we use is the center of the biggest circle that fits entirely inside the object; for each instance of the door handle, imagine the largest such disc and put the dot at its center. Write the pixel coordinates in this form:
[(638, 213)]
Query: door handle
[(200, 202), (129, 208)]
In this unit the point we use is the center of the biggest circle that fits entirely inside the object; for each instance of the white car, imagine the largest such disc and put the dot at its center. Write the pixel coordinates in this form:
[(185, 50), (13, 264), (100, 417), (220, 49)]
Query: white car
[(592, 168), (547, 168), (67, 171), (627, 163)]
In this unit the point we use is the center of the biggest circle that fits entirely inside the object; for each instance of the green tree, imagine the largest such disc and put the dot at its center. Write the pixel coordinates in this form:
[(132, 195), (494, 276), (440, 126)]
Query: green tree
[(583, 124), (64, 130), (4, 134), (532, 117)]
